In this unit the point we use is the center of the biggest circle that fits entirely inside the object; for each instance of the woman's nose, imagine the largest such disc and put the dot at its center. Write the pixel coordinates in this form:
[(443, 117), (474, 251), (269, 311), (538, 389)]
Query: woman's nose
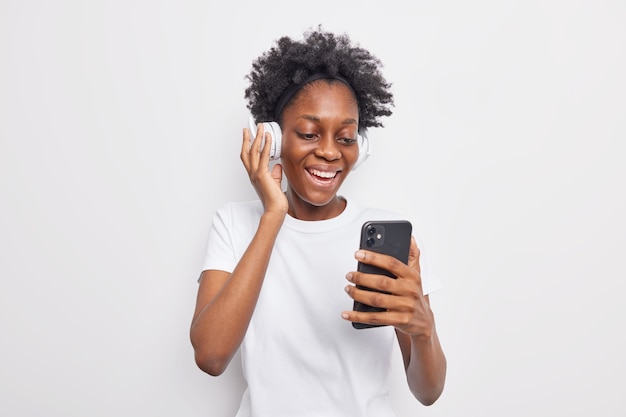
[(328, 148)]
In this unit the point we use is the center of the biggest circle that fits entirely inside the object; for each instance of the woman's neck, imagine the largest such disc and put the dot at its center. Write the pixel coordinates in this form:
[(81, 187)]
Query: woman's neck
[(303, 210)]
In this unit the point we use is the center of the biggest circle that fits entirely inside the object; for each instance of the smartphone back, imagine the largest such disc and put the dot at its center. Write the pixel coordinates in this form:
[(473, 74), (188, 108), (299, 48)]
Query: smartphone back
[(390, 237)]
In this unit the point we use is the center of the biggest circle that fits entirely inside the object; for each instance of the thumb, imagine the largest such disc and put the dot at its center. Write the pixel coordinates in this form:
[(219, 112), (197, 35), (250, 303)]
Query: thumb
[(277, 173), (414, 255)]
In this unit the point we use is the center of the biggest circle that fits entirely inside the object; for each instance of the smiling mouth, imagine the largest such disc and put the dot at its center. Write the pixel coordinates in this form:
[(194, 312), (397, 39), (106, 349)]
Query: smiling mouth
[(324, 175)]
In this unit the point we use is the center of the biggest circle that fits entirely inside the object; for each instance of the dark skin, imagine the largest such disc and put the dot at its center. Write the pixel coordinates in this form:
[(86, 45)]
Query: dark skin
[(319, 150)]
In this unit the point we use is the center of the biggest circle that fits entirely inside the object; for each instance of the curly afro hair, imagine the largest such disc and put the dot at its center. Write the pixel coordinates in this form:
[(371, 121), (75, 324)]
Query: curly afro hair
[(291, 62)]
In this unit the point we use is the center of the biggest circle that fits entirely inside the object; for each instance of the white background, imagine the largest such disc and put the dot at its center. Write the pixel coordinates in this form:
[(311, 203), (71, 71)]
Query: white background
[(120, 127)]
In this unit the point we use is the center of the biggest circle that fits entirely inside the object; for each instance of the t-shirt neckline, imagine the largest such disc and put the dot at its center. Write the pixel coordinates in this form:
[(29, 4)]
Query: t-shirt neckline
[(320, 226)]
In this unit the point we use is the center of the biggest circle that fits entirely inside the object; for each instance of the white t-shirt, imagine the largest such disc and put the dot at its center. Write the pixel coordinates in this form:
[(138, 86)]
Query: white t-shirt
[(299, 357)]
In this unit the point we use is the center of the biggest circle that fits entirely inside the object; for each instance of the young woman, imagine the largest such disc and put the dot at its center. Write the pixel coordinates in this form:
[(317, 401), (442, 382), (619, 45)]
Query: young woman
[(279, 277)]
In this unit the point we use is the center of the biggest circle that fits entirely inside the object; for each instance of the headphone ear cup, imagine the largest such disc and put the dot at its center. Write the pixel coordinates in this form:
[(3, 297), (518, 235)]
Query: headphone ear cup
[(277, 138), (365, 148), (275, 132)]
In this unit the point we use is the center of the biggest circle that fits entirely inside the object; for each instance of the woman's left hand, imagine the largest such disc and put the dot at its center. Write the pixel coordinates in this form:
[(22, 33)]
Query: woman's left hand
[(407, 309)]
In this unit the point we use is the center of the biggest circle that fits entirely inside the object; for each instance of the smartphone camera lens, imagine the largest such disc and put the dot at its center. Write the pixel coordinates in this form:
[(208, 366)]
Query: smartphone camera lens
[(370, 241), (371, 230)]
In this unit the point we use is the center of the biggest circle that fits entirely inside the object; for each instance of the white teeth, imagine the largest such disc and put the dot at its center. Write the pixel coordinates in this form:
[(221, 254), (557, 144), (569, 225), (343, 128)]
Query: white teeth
[(323, 174)]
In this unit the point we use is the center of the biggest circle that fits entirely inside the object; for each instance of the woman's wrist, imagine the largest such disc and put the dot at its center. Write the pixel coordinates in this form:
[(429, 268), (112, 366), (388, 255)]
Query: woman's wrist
[(273, 217)]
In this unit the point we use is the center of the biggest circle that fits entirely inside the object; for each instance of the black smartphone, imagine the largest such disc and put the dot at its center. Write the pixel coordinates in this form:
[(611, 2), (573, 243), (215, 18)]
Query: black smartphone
[(390, 237)]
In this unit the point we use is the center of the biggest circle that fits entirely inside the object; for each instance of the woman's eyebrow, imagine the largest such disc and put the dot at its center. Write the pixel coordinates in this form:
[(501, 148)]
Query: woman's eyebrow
[(310, 117), (347, 121)]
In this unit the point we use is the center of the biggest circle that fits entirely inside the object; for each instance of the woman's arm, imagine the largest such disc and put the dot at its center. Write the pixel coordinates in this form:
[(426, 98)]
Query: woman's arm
[(225, 302), (424, 363)]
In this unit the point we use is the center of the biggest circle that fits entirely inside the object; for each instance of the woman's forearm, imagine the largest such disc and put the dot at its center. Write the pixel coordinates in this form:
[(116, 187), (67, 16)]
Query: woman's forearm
[(426, 369)]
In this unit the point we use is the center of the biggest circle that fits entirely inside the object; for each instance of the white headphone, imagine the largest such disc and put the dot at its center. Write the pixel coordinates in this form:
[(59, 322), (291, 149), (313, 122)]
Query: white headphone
[(365, 148)]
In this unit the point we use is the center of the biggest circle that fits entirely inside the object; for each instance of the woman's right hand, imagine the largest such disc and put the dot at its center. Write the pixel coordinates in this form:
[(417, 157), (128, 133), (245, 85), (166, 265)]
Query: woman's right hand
[(256, 161)]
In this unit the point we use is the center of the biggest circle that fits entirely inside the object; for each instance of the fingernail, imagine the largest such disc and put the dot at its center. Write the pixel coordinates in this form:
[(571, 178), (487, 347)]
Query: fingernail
[(349, 276), (345, 315), (347, 289), (359, 254)]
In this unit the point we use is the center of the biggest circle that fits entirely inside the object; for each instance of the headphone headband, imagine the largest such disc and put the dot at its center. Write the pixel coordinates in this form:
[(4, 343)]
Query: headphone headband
[(294, 88)]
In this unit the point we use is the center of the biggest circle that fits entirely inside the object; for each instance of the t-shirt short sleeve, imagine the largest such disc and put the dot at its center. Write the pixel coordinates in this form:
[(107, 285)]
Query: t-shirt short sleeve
[(220, 253)]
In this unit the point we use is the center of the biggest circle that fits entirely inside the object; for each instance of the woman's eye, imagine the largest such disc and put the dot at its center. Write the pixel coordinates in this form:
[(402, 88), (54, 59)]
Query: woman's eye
[(307, 136), (347, 141)]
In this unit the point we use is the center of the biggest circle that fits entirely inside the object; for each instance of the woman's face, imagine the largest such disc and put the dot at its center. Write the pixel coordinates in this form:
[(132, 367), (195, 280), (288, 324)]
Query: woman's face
[(319, 147)]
